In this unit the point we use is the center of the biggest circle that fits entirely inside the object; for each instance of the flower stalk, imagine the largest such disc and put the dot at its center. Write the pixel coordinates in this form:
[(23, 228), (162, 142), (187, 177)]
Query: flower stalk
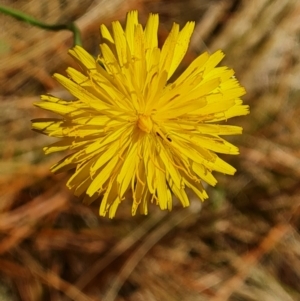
[(19, 15)]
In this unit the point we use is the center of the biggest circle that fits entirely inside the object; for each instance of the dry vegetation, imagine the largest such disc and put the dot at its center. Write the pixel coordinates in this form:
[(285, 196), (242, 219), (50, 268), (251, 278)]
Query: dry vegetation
[(242, 245)]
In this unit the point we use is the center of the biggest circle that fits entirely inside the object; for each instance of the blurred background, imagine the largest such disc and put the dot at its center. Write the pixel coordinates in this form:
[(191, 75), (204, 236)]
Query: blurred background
[(242, 244)]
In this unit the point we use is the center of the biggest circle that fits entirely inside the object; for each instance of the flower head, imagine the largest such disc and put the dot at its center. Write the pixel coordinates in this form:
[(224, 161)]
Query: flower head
[(131, 131)]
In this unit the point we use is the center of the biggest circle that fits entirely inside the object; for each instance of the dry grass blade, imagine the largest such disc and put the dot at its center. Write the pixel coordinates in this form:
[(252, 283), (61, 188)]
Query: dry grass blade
[(52, 279), (119, 249), (15, 237), (33, 211), (149, 241), (245, 263)]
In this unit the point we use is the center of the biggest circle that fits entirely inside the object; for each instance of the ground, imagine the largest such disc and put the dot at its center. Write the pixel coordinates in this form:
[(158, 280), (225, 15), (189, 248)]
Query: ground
[(242, 244)]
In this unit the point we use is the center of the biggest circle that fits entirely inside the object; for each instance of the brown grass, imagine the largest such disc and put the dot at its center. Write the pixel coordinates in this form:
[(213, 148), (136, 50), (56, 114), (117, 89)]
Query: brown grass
[(242, 244)]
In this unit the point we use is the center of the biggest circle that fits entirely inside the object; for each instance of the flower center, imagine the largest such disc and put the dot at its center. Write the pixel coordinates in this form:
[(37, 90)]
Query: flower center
[(145, 123)]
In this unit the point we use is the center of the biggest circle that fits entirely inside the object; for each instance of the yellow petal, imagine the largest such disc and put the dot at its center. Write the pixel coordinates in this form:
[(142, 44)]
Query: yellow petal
[(181, 46), (98, 182), (131, 23), (128, 169), (169, 166), (106, 35), (197, 189), (151, 31), (120, 43), (203, 173), (83, 58), (167, 52)]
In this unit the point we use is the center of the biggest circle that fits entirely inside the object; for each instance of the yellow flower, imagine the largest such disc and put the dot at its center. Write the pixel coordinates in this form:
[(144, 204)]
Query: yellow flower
[(131, 131)]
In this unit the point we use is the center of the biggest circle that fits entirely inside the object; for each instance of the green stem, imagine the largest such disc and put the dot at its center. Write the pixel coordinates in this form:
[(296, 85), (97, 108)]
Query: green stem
[(55, 27)]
